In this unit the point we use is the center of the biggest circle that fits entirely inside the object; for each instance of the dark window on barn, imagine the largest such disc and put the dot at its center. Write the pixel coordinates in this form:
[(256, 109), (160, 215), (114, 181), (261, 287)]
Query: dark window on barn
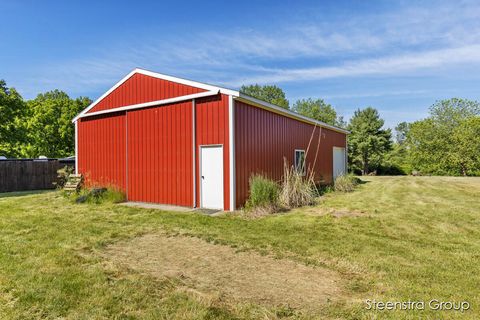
[(300, 161)]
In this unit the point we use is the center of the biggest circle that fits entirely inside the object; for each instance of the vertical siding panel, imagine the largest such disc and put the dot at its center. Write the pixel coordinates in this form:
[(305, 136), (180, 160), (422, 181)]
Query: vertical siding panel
[(99, 152), (169, 157), (157, 154), (174, 151)]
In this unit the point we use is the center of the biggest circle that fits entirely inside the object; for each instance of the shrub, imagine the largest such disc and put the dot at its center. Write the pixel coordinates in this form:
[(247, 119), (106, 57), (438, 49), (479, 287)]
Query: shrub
[(62, 176), (346, 183), (263, 194), (297, 190), (98, 195), (323, 189)]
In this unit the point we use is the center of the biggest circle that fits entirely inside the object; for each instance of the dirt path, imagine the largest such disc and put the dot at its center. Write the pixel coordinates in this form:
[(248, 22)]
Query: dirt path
[(220, 270)]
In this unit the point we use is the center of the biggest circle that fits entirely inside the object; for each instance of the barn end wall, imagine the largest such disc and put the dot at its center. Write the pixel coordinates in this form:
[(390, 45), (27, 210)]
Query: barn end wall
[(148, 153), (263, 138), (140, 88)]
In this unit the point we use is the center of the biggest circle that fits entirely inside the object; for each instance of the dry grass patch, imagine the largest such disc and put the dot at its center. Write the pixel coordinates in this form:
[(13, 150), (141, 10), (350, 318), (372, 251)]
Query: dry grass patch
[(228, 275), (336, 213)]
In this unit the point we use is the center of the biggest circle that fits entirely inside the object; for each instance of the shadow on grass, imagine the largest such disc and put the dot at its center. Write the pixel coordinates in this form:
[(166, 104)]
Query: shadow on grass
[(23, 193), (360, 181)]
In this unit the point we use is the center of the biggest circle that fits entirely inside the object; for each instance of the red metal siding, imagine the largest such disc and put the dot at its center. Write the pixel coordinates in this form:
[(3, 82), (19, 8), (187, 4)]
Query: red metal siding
[(264, 138), (101, 150), (160, 154), (212, 128), (141, 88)]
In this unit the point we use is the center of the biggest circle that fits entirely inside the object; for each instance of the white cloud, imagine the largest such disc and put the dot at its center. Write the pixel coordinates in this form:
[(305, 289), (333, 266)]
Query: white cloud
[(381, 66), (375, 94), (431, 36)]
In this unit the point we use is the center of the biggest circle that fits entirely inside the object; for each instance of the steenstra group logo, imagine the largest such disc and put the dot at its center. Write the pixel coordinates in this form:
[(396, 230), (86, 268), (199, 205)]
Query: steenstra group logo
[(434, 304)]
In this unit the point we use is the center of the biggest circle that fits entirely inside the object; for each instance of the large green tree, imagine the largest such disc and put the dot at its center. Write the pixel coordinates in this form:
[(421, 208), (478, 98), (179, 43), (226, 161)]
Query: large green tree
[(445, 142), (466, 138), (12, 111), (268, 93), (50, 130), (368, 141), (319, 110), (395, 161)]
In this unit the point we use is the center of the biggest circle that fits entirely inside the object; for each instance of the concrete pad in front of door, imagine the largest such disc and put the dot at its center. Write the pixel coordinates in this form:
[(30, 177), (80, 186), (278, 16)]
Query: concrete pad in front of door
[(164, 207), (167, 207)]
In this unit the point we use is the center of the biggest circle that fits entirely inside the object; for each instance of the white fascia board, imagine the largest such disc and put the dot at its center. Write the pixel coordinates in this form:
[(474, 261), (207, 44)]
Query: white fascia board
[(288, 113), (191, 83), (93, 104), (149, 104), (187, 82)]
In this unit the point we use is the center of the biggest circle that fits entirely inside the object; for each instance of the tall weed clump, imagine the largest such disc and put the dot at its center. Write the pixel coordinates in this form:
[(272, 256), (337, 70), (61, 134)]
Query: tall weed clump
[(346, 183), (263, 198), (297, 189), (98, 195)]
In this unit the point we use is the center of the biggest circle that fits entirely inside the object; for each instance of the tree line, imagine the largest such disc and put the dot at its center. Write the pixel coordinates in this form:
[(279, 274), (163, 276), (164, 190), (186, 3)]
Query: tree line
[(38, 127), (447, 142)]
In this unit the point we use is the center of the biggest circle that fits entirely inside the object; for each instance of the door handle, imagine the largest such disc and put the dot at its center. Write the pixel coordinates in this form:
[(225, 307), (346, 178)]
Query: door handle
[(203, 177)]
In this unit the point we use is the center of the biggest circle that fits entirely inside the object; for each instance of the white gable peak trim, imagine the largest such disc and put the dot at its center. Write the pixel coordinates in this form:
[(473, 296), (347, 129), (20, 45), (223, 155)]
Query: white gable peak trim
[(157, 75), (148, 104)]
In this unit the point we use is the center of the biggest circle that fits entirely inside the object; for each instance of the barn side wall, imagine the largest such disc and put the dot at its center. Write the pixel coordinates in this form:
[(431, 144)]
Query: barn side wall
[(101, 153), (141, 88), (264, 138)]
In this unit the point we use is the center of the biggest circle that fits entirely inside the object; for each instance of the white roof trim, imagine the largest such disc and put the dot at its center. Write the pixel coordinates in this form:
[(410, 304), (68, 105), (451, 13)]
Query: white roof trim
[(149, 104), (157, 75), (187, 82), (288, 113), (211, 90)]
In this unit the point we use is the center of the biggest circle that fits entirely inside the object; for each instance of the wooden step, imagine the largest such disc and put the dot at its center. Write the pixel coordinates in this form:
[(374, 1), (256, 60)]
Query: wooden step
[(73, 183)]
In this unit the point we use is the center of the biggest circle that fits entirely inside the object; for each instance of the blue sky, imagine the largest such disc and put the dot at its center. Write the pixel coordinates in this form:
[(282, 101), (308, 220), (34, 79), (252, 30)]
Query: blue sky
[(399, 57)]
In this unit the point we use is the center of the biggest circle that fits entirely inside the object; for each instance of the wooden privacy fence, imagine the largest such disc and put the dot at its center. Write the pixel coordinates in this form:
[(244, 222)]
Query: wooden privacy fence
[(28, 174)]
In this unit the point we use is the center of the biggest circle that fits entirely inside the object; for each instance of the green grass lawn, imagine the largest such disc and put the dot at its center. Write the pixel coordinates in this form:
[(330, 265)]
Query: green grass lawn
[(409, 238)]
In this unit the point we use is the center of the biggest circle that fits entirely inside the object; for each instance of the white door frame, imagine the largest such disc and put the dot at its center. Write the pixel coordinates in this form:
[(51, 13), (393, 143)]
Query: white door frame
[(200, 171)]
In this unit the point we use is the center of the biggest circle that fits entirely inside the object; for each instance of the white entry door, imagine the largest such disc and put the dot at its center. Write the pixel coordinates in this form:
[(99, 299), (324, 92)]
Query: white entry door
[(211, 177), (339, 162)]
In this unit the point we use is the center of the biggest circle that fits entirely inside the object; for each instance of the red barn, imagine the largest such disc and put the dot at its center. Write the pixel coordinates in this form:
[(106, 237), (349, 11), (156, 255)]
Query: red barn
[(168, 140)]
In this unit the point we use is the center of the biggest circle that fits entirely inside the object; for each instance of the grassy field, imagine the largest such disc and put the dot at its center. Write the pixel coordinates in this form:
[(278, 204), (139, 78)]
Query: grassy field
[(393, 239)]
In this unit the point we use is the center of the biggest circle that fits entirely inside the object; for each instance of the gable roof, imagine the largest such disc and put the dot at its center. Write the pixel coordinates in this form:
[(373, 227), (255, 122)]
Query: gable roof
[(157, 75), (211, 90)]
